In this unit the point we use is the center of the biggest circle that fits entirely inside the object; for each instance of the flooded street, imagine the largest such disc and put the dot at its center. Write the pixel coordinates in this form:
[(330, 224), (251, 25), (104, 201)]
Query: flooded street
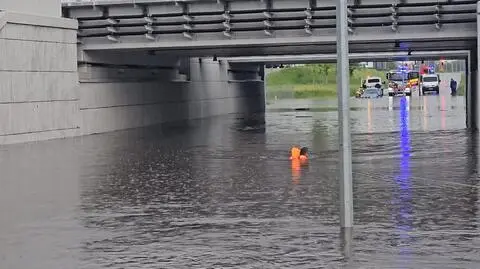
[(221, 193)]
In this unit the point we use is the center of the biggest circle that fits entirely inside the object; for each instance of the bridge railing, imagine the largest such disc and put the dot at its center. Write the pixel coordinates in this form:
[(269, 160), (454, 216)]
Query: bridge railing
[(93, 2), (78, 1), (113, 19)]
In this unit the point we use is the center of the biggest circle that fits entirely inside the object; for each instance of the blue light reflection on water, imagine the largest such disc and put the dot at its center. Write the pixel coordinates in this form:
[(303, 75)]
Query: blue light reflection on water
[(404, 216)]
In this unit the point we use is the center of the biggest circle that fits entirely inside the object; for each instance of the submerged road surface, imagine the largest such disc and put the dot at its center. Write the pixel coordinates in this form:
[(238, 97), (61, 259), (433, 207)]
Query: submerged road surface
[(222, 193)]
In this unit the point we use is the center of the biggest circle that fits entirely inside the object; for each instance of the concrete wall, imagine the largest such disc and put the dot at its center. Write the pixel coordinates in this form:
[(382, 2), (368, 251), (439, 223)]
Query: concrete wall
[(116, 97), (44, 94), (38, 78), (48, 8)]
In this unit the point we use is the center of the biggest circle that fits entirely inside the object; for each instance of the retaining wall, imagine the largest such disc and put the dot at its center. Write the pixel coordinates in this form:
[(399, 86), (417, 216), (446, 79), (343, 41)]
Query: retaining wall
[(115, 97), (50, 88), (39, 97)]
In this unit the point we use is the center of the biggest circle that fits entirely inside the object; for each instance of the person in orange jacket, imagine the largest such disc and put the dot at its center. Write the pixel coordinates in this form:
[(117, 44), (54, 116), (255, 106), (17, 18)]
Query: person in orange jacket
[(298, 157), (297, 153), (294, 153), (303, 153)]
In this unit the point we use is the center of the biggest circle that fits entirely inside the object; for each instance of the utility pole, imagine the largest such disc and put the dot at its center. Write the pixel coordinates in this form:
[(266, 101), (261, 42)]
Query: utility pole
[(345, 143)]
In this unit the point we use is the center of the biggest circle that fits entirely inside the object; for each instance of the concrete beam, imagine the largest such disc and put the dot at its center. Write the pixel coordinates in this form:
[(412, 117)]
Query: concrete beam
[(354, 57), (132, 58), (373, 9), (372, 23), (73, 3), (416, 2), (35, 20), (316, 49), (139, 43)]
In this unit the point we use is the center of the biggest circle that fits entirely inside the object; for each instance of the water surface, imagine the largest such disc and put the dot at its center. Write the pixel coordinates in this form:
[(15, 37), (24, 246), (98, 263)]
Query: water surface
[(221, 193)]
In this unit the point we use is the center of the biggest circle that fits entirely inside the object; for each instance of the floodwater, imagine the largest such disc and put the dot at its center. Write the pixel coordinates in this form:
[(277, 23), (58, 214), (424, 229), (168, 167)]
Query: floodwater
[(221, 193)]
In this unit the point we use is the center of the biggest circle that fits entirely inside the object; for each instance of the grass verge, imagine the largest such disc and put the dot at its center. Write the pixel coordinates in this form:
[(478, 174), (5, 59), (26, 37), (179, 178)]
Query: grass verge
[(307, 91)]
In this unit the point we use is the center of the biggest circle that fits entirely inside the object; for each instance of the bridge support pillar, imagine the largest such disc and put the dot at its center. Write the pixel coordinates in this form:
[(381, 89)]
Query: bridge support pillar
[(38, 75), (471, 95), (468, 91)]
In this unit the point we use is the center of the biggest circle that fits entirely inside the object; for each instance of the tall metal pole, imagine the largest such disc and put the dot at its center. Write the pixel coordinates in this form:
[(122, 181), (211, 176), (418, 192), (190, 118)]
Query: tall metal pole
[(476, 101), (345, 143)]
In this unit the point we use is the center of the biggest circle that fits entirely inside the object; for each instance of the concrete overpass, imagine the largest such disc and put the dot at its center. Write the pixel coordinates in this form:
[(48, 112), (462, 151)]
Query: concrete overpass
[(112, 65), (354, 57), (271, 27)]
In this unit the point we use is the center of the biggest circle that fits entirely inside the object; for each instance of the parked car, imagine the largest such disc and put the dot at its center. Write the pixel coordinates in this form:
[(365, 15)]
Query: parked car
[(371, 82), (372, 92)]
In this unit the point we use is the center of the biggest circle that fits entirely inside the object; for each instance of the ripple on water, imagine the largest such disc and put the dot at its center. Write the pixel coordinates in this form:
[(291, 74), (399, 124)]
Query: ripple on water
[(221, 195)]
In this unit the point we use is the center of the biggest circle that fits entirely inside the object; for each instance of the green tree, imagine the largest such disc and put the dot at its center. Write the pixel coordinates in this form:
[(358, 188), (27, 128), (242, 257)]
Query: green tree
[(351, 69), (316, 71), (325, 70)]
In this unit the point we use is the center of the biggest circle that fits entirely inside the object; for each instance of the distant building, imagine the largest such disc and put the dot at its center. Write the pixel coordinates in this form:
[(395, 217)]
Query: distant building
[(367, 64)]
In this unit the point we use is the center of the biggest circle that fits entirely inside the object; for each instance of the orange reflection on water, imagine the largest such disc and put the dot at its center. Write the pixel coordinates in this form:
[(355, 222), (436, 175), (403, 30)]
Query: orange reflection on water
[(369, 122), (296, 165), (425, 114), (369, 116), (296, 171), (442, 114)]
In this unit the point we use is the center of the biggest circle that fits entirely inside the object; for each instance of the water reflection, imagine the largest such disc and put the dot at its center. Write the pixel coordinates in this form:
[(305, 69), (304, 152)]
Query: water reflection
[(296, 172), (221, 193), (443, 109), (403, 194), (346, 238), (369, 116), (425, 114)]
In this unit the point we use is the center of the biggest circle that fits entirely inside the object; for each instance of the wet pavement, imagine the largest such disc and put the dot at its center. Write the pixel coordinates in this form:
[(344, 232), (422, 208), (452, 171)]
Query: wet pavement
[(221, 194)]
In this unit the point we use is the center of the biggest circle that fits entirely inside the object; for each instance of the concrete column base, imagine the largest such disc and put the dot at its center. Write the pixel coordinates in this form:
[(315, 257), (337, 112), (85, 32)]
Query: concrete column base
[(38, 78)]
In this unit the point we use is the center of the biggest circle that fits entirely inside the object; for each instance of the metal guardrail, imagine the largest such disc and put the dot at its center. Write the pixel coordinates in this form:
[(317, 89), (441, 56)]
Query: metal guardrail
[(77, 1), (115, 2), (364, 6), (435, 13)]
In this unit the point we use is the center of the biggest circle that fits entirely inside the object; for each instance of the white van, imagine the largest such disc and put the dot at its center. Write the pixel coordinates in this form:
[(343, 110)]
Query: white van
[(430, 83), (371, 82), (374, 82)]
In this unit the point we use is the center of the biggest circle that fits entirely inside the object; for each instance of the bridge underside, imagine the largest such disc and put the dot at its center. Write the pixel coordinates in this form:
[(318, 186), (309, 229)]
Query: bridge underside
[(354, 57), (295, 49), (272, 27), (275, 31), (153, 61)]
